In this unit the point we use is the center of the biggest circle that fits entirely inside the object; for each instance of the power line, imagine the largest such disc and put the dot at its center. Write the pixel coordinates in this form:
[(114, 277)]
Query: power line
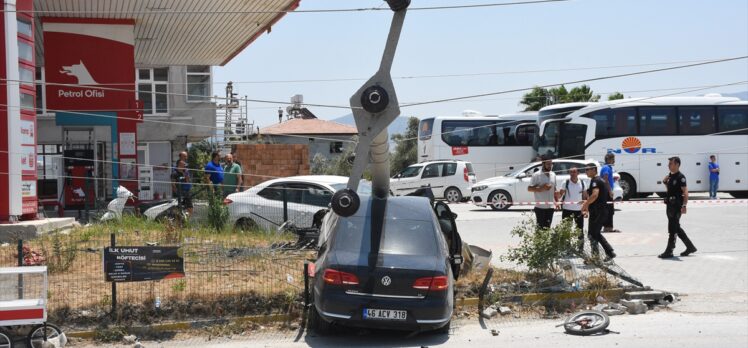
[(577, 81), (158, 11)]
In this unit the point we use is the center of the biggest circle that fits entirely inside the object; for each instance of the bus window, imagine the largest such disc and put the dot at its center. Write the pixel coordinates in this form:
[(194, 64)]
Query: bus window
[(525, 134), (696, 120), (467, 133), (425, 129), (572, 143), (733, 119), (657, 121), (614, 123)]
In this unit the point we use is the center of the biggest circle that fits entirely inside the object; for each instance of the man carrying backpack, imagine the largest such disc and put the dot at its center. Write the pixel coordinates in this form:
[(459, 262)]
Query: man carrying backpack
[(572, 194)]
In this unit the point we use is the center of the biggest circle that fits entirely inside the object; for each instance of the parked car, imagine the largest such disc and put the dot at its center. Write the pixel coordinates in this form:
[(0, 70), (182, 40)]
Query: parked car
[(398, 274), (448, 179), (262, 205), (500, 192)]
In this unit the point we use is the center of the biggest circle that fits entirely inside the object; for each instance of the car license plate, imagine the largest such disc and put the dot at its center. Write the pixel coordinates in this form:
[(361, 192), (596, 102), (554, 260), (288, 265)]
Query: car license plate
[(385, 314)]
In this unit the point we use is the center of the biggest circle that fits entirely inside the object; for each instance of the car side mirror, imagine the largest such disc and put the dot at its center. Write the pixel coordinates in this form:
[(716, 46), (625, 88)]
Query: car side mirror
[(522, 175), (397, 176)]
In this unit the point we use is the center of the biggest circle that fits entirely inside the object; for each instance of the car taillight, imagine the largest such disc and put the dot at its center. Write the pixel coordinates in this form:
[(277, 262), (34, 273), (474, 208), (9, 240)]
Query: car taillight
[(227, 201), (335, 277), (465, 174), (431, 283)]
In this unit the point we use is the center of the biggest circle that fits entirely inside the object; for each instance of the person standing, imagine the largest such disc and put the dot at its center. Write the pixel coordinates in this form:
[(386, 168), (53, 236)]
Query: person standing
[(606, 173), (232, 176), (543, 185), (572, 194), (182, 184), (213, 171), (676, 201), (595, 208), (713, 177)]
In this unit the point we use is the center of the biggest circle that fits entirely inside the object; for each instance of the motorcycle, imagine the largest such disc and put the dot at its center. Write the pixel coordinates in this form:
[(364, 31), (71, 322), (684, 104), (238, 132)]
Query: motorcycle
[(117, 205)]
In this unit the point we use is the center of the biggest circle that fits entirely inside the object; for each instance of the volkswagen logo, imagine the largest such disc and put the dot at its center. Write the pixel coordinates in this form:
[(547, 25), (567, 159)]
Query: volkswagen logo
[(386, 281)]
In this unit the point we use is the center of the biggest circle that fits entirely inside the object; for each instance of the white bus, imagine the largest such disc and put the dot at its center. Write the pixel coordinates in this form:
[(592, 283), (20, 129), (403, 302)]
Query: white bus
[(643, 133), (493, 144)]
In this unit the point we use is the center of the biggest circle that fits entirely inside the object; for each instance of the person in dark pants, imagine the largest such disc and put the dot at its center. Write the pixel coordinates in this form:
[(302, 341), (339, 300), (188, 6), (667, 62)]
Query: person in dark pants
[(606, 173), (595, 207), (543, 184), (572, 194), (676, 201)]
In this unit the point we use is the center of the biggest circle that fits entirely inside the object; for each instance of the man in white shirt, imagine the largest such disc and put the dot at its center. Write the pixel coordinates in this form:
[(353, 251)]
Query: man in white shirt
[(543, 185), (572, 194)]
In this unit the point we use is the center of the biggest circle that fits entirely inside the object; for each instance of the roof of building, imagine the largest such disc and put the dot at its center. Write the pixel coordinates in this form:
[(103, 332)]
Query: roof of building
[(298, 126), (177, 32)]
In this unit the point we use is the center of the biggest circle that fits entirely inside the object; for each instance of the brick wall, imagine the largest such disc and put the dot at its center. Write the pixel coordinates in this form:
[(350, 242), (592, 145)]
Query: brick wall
[(272, 160)]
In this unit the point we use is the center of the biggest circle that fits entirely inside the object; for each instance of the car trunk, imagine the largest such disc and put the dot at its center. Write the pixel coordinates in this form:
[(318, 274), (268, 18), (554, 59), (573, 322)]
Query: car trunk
[(392, 276)]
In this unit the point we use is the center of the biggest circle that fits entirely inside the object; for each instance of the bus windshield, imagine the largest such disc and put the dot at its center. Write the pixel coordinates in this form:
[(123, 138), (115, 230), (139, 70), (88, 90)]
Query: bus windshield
[(425, 129), (547, 144)]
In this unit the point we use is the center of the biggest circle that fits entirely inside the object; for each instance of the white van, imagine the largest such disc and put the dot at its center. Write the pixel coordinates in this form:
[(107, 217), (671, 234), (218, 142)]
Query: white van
[(451, 180)]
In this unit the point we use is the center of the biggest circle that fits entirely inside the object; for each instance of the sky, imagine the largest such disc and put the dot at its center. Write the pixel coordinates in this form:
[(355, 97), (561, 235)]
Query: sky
[(500, 48)]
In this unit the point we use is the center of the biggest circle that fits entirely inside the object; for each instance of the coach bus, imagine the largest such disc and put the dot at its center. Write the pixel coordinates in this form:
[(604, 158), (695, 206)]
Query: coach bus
[(493, 144), (644, 132)]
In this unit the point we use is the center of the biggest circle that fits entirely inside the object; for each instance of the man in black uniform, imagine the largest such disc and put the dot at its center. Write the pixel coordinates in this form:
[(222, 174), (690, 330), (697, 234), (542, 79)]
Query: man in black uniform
[(676, 201), (596, 208)]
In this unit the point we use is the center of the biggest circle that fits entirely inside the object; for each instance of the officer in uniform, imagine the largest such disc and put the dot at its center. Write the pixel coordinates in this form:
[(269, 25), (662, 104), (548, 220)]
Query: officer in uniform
[(596, 208), (676, 201)]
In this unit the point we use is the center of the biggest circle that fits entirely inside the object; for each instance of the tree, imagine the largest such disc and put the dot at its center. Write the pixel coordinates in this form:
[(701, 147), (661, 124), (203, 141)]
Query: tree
[(541, 97), (406, 147), (615, 96)]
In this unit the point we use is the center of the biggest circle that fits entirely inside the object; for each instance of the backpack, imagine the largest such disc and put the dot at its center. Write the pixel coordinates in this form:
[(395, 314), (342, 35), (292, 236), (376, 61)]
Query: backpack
[(566, 185)]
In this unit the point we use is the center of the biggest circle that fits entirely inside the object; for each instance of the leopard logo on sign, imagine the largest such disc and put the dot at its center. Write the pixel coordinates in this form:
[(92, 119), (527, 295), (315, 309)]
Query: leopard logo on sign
[(386, 281)]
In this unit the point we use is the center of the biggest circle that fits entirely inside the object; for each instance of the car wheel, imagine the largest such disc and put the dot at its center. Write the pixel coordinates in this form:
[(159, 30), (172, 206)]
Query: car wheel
[(245, 225), (453, 195), (316, 323), (445, 329), (628, 185), (499, 200)]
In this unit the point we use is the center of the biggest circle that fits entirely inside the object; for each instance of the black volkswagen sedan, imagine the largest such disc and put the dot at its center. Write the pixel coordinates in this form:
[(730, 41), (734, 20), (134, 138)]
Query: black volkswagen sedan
[(389, 265)]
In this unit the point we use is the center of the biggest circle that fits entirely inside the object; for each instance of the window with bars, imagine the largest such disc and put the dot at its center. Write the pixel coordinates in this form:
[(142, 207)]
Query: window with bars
[(153, 89)]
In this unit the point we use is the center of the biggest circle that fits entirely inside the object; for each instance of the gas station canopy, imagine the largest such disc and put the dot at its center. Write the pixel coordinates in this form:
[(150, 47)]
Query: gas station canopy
[(177, 32)]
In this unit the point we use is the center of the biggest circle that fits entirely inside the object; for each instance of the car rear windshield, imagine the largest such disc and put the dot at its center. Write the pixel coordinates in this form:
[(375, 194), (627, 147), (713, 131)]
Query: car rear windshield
[(400, 237), (469, 167)]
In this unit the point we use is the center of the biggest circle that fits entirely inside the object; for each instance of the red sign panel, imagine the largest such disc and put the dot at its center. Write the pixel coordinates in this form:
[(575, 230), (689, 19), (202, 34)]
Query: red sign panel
[(459, 150), (89, 64)]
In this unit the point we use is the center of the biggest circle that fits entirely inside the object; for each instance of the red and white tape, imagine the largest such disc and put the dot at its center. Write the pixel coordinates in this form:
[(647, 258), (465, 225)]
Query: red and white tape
[(695, 201)]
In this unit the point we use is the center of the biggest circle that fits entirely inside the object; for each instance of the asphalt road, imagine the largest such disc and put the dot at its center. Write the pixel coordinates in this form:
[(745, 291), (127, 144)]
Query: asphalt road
[(713, 284)]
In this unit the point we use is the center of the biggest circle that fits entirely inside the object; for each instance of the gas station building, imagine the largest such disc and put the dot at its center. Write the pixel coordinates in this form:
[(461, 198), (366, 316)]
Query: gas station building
[(100, 93)]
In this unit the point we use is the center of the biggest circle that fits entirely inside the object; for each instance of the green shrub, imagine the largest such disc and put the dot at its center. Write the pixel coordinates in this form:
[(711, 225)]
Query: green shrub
[(540, 249)]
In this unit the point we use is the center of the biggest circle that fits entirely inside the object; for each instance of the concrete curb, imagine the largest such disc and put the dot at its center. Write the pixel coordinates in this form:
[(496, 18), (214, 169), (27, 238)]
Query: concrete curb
[(533, 298)]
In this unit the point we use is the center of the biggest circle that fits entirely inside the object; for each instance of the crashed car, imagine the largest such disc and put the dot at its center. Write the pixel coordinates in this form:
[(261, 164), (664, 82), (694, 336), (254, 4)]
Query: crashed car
[(391, 265)]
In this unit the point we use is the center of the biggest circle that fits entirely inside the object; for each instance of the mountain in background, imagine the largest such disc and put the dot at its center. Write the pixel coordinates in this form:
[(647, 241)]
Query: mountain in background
[(742, 95), (399, 125)]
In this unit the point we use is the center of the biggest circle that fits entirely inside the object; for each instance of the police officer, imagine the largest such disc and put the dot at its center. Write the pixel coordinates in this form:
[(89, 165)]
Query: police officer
[(596, 208), (676, 201)]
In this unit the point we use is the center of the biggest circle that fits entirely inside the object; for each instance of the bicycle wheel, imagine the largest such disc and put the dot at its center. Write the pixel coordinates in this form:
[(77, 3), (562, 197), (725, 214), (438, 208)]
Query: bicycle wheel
[(5, 340), (587, 323), (39, 335)]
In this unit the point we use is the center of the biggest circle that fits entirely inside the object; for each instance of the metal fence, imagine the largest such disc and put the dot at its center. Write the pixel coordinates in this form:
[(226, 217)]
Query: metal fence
[(223, 278)]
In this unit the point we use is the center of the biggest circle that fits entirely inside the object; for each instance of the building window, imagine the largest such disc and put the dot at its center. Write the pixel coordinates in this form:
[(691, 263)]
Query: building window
[(41, 107), (25, 51), (24, 27), (198, 84), (48, 167), (25, 74), (336, 147), (27, 101), (153, 89)]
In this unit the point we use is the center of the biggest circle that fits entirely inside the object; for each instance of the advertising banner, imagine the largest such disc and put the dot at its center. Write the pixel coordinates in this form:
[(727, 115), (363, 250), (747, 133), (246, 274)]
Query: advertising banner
[(142, 263)]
